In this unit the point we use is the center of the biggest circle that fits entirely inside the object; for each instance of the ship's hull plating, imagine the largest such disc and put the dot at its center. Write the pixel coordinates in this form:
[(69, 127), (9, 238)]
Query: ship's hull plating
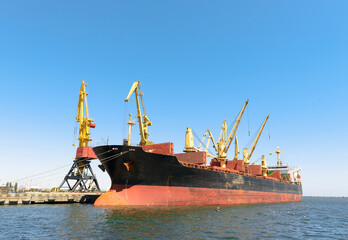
[(141, 179)]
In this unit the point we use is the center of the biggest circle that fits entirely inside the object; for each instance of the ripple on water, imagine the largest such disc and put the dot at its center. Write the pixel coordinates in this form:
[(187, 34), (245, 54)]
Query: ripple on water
[(321, 218)]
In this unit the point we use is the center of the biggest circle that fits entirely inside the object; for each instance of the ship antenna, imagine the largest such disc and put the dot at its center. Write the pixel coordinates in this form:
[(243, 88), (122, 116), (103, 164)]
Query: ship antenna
[(125, 106)]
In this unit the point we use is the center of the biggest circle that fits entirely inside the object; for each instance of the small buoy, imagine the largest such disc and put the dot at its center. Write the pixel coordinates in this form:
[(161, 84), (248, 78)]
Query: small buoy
[(217, 209)]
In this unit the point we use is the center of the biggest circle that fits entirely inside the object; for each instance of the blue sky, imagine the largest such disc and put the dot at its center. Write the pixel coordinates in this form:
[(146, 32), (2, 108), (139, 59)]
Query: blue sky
[(198, 61)]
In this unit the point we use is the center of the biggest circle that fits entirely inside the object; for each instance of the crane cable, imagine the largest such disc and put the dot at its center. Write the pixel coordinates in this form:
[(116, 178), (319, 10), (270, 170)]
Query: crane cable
[(74, 134), (116, 155), (36, 178), (125, 107), (232, 124), (196, 138), (269, 132), (38, 174), (248, 120), (252, 139), (256, 160)]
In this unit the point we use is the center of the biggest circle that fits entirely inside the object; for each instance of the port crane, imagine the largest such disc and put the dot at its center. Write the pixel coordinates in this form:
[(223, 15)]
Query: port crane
[(144, 121), (247, 155), (81, 171)]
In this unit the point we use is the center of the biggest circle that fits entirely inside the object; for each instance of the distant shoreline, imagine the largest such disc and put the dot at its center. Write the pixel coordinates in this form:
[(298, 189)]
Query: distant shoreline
[(327, 196)]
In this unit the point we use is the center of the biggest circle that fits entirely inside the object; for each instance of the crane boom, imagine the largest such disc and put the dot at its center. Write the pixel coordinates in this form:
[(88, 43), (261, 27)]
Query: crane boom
[(200, 144), (210, 137), (235, 127), (257, 139), (144, 121)]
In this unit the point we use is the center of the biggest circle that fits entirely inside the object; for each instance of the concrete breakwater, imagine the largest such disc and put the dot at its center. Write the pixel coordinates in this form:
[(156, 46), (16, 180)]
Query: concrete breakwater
[(48, 198)]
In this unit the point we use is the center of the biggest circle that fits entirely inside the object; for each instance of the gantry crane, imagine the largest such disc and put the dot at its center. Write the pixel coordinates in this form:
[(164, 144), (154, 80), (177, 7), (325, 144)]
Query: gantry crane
[(144, 121), (246, 155), (81, 171)]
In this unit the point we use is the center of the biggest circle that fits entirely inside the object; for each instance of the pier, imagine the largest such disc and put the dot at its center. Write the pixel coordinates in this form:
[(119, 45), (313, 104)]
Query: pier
[(47, 198)]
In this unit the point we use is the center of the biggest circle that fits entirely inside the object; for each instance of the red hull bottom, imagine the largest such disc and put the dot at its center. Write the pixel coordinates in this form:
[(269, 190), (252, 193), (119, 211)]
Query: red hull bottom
[(140, 195)]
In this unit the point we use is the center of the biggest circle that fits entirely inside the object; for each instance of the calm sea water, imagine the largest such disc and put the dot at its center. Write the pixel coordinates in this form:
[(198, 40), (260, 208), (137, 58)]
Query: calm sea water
[(313, 218)]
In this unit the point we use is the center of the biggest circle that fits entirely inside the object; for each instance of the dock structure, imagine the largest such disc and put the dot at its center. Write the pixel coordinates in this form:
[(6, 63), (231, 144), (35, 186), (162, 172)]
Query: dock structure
[(47, 198)]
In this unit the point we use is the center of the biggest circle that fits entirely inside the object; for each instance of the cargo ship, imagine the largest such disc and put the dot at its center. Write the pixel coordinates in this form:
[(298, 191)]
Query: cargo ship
[(152, 175)]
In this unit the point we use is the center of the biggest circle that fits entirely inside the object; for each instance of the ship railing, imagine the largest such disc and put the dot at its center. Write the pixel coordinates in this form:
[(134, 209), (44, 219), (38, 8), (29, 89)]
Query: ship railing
[(226, 170)]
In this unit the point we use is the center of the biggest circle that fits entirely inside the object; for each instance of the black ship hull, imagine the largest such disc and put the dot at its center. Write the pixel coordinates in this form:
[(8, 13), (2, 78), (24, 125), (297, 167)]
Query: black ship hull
[(143, 178)]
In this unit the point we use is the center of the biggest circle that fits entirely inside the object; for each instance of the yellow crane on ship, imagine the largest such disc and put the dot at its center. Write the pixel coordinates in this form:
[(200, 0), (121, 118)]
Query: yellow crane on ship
[(224, 142), (144, 121), (247, 155), (210, 137)]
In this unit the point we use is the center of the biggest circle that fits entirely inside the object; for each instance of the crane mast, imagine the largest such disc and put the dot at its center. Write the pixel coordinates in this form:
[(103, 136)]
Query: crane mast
[(236, 148), (246, 155), (144, 121), (222, 140), (83, 119), (279, 161)]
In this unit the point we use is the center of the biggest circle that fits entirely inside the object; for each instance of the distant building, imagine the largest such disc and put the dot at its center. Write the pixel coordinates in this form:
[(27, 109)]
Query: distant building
[(4, 189)]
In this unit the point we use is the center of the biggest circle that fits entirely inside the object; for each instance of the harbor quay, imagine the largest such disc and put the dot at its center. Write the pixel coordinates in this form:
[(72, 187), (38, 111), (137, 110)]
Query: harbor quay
[(47, 198)]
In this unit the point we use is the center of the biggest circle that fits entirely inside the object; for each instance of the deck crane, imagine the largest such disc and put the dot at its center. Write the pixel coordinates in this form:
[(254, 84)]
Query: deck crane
[(189, 145), (81, 170), (144, 121), (226, 145), (210, 137), (246, 155), (224, 142), (222, 146)]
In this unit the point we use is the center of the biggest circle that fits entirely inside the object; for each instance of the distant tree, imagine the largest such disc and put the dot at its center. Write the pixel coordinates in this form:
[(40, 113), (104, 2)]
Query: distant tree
[(15, 186)]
